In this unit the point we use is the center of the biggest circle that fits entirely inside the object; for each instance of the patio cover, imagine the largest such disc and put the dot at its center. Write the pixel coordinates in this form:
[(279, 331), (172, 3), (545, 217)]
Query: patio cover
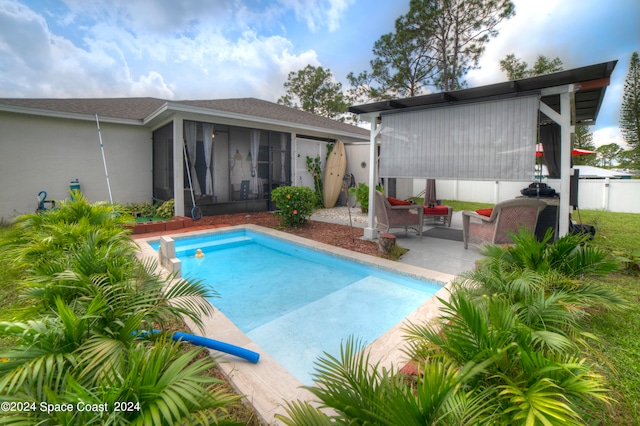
[(492, 140), (567, 98)]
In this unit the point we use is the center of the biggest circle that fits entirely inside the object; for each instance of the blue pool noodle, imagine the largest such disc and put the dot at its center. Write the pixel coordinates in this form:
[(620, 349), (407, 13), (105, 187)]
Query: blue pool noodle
[(217, 345)]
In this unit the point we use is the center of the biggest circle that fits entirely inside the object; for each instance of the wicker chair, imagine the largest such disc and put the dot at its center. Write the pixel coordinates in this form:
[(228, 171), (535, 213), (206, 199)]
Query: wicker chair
[(507, 216), (388, 216)]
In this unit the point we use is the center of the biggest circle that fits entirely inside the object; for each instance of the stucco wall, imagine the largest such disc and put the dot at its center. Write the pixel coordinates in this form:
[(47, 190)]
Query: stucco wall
[(356, 155), (41, 153)]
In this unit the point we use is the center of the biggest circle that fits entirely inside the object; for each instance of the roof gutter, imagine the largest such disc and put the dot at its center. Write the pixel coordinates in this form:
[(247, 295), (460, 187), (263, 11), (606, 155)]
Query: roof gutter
[(68, 115), (300, 128)]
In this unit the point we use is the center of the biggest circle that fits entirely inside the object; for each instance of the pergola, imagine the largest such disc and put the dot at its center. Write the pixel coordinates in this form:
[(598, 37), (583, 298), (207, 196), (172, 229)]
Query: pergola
[(485, 133)]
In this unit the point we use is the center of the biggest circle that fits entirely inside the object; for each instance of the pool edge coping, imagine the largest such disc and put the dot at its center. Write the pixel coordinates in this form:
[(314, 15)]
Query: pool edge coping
[(267, 385)]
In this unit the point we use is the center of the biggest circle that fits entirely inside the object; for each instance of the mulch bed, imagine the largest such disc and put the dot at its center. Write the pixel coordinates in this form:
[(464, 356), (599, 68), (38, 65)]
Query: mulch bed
[(329, 233)]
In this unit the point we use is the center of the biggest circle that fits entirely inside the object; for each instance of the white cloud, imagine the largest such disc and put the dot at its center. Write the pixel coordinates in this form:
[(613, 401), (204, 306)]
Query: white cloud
[(608, 135), (317, 14), (121, 56)]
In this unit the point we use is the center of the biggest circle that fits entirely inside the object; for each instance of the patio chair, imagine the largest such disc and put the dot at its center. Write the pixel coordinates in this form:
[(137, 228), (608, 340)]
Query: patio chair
[(388, 216), (507, 216)]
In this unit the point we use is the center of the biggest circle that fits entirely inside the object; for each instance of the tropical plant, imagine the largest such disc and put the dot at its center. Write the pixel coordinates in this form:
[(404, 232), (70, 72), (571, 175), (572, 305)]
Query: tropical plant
[(362, 393), (80, 341), (314, 167), (361, 192), (166, 209), (568, 255), (295, 204), (155, 383), (533, 374)]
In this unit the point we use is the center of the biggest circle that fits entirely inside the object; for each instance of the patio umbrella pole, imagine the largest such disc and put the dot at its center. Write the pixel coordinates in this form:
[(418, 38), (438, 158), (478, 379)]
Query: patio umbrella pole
[(104, 160)]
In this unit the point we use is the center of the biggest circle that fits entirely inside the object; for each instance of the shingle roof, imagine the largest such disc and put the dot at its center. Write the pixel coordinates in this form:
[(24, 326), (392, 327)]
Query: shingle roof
[(260, 108), (124, 108), (141, 108)]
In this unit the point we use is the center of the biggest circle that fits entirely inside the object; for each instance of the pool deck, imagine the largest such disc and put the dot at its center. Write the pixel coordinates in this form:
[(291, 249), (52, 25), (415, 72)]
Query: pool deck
[(430, 253), (267, 385)]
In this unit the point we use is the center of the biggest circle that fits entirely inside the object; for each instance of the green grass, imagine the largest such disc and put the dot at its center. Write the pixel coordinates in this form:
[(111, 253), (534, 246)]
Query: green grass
[(620, 345), (457, 205)]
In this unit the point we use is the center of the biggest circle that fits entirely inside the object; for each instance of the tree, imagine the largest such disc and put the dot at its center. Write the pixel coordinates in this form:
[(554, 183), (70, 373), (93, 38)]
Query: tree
[(517, 68), (608, 154), (435, 44), (630, 111), (312, 89), (584, 140), (459, 30)]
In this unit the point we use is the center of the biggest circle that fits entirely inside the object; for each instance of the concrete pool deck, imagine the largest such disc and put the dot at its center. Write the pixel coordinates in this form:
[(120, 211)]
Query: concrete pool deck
[(267, 385)]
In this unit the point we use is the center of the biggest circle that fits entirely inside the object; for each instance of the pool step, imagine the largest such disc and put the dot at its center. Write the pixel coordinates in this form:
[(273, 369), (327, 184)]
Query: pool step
[(219, 244)]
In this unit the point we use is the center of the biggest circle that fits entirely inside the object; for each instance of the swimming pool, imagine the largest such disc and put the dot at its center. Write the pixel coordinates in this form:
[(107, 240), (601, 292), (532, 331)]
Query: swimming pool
[(297, 302)]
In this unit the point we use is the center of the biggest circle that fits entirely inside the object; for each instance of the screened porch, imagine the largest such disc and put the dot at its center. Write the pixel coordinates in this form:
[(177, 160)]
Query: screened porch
[(231, 168)]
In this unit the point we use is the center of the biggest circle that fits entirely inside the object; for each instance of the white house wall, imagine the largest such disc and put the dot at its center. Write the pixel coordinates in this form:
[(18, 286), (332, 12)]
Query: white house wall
[(41, 153), (356, 155), (307, 148)]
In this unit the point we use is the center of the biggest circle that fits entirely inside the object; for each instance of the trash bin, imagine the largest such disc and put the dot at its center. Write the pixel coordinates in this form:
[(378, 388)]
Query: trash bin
[(74, 185)]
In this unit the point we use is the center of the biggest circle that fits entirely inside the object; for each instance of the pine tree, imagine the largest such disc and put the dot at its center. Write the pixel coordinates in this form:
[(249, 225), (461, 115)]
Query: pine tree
[(435, 44), (630, 111), (314, 90), (584, 140)]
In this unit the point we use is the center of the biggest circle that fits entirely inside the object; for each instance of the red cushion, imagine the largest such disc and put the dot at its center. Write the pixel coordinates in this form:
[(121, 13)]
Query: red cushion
[(485, 212), (438, 210), (398, 202)]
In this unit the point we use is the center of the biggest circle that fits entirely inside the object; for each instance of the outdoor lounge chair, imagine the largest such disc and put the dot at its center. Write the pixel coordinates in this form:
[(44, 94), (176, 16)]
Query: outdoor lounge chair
[(507, 216), (389, 216)]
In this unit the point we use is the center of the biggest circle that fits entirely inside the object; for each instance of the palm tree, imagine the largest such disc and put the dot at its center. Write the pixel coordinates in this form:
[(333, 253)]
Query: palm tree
[(84, 337), (532, 373), (360, 393)]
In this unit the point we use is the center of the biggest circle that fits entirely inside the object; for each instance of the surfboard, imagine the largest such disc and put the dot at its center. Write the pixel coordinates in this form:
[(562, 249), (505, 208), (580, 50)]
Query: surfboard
[(333, 174)]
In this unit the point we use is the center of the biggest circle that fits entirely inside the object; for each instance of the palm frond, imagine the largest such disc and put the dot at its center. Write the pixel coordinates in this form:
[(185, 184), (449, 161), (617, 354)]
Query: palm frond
[(301, 413)]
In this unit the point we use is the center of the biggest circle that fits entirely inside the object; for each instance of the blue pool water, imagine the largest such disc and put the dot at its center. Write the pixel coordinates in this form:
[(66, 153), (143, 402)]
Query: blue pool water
[(296, 302)]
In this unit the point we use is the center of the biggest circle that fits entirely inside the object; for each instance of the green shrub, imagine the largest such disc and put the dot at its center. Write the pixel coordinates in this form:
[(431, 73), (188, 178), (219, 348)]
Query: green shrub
[(144, 209), (166, 209), (295, 204)]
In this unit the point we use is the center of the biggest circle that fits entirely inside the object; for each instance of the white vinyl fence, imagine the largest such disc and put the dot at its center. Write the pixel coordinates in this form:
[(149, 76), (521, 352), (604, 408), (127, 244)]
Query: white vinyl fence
[(616, 195)]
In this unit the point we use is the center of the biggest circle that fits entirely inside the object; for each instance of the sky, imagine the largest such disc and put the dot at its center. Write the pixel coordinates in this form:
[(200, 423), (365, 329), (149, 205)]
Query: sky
[(213, 49)]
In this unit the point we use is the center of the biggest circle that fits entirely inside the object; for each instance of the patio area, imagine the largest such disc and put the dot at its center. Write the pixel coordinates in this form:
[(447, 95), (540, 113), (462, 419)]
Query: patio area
[(429, 252)]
